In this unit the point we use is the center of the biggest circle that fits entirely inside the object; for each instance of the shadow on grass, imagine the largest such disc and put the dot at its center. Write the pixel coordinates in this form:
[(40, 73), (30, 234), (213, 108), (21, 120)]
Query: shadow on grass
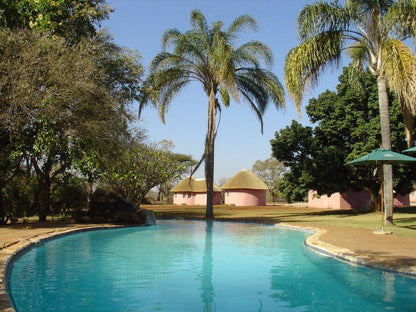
[(406, 223), (410, 209), (267, 217)]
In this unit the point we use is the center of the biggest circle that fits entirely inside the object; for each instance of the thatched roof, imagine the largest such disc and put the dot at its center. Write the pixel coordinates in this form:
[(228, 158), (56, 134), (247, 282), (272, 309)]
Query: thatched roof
[(193, 185), (245, 179)]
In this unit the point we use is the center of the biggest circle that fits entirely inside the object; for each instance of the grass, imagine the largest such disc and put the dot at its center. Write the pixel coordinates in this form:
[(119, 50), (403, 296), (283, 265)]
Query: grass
[(404, 218)]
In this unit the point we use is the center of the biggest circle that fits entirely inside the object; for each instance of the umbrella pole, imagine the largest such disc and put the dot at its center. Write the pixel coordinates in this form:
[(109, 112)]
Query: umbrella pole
[(382, 196)]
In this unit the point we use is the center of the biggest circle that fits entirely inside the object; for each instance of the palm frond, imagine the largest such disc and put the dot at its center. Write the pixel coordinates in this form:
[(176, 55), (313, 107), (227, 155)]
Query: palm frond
[(400, 69), (260, 87), (168, 93), (359, 56), (161, 86), (375, 6), (241, 23), (169, 38), (198, 21), (321, 17), (401, 19), (225, 97), (252, 51), (305, 62)]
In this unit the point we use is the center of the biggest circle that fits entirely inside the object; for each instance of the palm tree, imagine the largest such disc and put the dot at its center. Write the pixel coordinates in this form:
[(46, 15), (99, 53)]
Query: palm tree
[(372, 32), (206, 54)]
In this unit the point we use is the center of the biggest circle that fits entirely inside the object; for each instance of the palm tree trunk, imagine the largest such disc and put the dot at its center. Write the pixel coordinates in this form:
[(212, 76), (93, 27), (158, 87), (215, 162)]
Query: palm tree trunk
[(209, 156), (386, 143)]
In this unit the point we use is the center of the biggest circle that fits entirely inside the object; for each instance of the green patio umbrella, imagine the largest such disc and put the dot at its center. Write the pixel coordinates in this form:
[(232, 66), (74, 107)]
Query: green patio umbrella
[(380, 157), (412, 149)]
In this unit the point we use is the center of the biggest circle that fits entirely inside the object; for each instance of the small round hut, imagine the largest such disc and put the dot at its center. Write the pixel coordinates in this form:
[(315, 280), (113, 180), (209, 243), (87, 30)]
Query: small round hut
[(191, 191), (245, 189)]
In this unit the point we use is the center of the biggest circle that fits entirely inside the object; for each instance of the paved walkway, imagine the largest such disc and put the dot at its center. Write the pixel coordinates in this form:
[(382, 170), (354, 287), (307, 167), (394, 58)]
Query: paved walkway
[(355, 245)]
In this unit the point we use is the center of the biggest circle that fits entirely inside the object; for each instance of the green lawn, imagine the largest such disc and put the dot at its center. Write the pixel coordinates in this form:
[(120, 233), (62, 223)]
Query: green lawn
[(404, 218)]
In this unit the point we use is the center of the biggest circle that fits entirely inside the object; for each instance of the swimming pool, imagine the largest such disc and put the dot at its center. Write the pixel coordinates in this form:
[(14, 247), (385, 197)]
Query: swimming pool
[(198, 266)]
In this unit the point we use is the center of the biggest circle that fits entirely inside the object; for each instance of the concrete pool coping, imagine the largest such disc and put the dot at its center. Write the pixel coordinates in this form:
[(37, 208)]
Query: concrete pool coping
[(326, 241)]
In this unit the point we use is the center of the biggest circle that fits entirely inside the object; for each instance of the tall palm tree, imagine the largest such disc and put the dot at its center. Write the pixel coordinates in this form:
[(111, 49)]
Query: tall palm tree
[(206, 54), (372, 32)]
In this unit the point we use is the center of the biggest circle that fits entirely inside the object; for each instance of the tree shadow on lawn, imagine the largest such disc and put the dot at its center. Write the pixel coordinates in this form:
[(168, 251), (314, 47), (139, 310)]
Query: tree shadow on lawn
[(295, 217), (404, 223)]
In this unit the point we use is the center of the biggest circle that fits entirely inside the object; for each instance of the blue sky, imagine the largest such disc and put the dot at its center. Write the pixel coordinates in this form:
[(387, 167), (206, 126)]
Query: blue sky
[(139, 24)]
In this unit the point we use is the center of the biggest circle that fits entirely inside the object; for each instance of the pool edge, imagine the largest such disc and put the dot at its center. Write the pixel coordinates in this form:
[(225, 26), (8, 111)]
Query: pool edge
[(11, 253), (345, 255), (313, 242)]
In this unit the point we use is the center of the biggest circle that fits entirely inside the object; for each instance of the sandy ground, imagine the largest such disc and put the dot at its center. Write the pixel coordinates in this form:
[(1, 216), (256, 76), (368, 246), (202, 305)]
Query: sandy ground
[(360, 246)]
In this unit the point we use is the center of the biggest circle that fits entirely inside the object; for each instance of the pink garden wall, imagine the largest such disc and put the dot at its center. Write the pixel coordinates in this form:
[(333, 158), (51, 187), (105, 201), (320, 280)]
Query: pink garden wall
[(245, 197), (349, 199)]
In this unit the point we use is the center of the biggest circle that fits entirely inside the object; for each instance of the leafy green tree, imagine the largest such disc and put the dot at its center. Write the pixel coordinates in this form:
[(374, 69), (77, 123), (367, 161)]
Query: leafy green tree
[(188, 163), (66, 109), (141, 167), (346, 124), (70, 19), (271, 171), (372, 32), (206, 54), (18, 197)]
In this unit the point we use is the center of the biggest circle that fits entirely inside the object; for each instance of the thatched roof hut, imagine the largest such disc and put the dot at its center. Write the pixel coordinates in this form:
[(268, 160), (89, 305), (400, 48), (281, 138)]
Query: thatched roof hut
[(245, 179), (245, 189), (193, 185), (191, 191)]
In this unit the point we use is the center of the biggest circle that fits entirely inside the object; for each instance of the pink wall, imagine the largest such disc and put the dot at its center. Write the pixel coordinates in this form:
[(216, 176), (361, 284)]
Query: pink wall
[(245, 197), (184, 199), (349, 199), (412, 196), (191, 199), (323, 201), (201, 198), (401, 200)]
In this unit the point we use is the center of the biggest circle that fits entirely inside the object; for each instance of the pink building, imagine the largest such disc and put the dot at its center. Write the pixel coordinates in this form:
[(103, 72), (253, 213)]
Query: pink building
[(245, 189), (412, 196), (349, 199), (191, 191)]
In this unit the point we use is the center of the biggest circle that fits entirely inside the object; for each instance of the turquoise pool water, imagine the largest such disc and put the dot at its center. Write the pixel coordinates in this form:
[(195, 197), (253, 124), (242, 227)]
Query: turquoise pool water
[(198, 266)]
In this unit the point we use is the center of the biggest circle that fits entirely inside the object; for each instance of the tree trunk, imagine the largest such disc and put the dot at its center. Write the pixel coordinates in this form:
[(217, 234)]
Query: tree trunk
[(386, 143), (209, 156), (90, 199), (44, 197), (2, 209), (374, 198), (44, 183)]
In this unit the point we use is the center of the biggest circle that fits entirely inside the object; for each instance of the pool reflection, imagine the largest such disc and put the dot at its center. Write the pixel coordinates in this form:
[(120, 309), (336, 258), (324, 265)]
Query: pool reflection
[(207, 289)]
